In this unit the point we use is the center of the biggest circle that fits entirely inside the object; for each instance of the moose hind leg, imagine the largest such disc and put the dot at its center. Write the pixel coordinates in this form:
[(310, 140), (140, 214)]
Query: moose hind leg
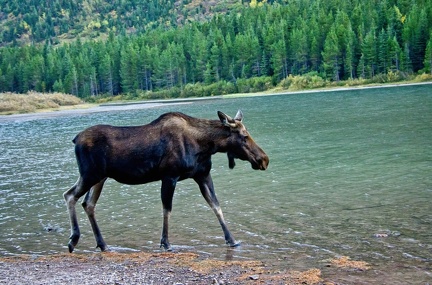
[(207, 190), (71, 196), (89, 205), (167, 193)]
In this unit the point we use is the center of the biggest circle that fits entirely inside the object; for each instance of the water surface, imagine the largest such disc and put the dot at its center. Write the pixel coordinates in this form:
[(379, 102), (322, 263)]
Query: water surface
[(349, 174)]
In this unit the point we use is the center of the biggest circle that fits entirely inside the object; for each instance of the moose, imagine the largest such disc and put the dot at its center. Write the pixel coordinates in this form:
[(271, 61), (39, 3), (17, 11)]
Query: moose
[(173, 147)]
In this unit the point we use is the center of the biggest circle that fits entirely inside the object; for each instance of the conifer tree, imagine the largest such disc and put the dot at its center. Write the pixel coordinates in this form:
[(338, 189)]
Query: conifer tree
[(299, 48), (279, 59), (128, 68), (106, 75), (394, 54), (405, 61), (349, 61), (331, 55), (428, 56), (415, 35), (369, 54), (383, 52)]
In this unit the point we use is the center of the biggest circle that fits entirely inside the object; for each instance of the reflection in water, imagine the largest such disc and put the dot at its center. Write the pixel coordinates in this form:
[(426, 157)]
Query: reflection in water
[(349, 175)]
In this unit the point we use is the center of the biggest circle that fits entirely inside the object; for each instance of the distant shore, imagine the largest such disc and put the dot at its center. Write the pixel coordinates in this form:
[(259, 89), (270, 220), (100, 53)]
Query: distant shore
[(86, 108), (329, 89)]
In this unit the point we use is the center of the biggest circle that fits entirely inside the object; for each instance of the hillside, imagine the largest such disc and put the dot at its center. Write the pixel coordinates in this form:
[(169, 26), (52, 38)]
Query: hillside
[(163, 48), (62, 20)]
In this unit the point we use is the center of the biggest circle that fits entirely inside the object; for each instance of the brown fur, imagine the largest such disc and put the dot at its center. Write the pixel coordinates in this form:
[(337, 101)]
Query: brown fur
[(171, 148)]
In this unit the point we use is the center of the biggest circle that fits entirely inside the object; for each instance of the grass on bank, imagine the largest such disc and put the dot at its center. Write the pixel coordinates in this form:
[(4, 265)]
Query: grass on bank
[(12, 103), (262, 85)]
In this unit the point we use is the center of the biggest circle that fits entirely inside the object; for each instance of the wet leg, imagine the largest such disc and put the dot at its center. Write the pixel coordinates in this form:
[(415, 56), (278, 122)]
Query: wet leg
[(89, 205), (71, 196), (207, 190), (167, 193)]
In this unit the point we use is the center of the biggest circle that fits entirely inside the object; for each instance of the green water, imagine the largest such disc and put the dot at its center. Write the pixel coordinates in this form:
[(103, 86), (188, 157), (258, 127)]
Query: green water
[(346, 168)]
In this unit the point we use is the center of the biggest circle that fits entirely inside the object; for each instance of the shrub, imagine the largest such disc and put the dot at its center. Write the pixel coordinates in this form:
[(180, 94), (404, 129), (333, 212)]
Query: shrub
[(192, 90), (423, 77), (254, 84), (306, 81), (200, 90)]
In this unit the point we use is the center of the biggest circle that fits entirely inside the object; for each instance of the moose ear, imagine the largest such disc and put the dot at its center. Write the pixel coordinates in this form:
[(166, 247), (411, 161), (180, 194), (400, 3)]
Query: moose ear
[(239, 116), (226, 120)]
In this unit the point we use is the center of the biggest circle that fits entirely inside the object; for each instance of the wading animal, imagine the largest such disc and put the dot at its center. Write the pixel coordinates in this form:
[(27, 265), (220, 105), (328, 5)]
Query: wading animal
[(171, 148)]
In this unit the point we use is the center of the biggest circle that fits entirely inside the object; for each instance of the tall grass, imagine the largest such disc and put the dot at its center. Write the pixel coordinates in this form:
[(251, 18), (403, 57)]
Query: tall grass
[(33, 101)]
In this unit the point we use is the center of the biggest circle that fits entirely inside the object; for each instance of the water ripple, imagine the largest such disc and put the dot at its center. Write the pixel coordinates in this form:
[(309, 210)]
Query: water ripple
[(344, 167)]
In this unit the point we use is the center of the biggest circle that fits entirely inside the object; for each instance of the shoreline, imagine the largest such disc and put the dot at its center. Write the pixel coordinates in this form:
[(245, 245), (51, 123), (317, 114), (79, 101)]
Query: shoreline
[(328, 89), (167, 268), (87, 108)]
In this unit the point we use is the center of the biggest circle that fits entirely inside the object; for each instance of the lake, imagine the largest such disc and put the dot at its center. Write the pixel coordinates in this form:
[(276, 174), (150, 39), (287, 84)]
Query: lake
[(350, 174)]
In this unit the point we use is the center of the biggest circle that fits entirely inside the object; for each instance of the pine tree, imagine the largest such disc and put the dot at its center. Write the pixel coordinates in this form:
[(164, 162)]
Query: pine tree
[(428, 56), (106, 75), (349, 61), (10, 79), (215, 64), (369, 54), (198, 54), (279, 59), (226, 58), (316, 44), (2, 81), (383, 52), (299, 48), (331, 55), (416, 30), (246, 49), (145, 66), (394, 54), (70, 83), (128, 68), (361, 69), (58, 86), (405, 61)]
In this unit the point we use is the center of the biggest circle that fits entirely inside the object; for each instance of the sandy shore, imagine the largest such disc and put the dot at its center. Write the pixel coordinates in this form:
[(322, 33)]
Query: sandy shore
[(162, 268)]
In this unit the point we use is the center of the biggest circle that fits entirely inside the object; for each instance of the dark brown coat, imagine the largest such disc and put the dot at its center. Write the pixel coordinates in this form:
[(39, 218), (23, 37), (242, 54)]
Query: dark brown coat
[(171, 148)]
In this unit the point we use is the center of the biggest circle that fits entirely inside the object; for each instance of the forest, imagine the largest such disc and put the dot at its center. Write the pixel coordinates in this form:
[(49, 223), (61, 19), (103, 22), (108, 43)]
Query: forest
[(239, 47)]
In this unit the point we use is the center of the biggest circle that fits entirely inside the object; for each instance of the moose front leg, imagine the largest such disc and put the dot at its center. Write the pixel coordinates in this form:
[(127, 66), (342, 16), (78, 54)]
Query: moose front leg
[(207, 190), (167, 193), (89, 205), (71, 197)]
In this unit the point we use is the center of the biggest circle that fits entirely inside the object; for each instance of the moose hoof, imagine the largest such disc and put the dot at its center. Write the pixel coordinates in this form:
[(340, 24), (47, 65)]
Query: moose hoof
[(103, 247), (73, 241), (71, 248), (166, 246), (233, 243)]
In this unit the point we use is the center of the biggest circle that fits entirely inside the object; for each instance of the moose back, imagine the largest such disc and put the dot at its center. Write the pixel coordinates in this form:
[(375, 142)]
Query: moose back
[(171, 148)]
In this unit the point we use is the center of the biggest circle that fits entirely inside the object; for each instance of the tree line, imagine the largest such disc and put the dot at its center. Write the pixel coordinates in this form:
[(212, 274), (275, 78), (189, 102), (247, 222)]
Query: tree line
[(261, 45)]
